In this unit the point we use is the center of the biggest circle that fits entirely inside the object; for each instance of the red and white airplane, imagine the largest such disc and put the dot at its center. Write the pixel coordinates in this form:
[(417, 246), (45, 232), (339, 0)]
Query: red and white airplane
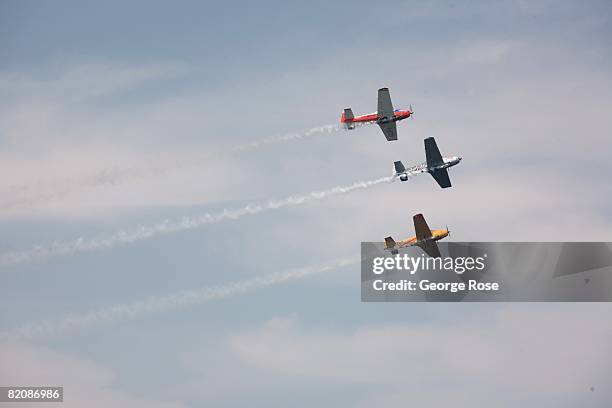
[(385, 116)]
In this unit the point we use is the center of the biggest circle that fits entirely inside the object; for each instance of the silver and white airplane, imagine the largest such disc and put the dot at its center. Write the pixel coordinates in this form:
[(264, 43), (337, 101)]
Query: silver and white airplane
[(436, 165)]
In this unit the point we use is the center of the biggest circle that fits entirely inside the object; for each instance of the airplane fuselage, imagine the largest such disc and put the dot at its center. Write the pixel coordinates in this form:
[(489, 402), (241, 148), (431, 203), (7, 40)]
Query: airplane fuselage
[(448, 161), (398, 115), (425, 238), (436, 235)]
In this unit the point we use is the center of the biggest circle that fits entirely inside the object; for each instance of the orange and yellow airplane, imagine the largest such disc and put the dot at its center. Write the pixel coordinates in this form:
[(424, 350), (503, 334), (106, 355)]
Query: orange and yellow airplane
[(425, 238)]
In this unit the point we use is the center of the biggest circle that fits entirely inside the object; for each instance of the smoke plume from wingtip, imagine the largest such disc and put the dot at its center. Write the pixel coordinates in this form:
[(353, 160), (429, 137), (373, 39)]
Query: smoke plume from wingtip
[(39, 192), (173, 301), (164, 227)]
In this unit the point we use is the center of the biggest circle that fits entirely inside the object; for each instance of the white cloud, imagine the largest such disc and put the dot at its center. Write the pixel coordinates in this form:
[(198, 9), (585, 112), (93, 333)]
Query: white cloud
[(86, 383), (523, 353), (81, 81)]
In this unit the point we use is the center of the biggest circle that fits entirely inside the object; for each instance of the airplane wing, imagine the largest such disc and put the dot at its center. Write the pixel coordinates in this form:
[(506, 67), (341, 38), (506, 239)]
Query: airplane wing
[(441, 176), (431, 248), (389, 129), (432, 153), (385, 107), (421, 228)]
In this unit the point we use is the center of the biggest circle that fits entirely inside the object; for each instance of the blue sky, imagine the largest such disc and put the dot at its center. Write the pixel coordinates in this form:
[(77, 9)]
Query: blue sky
[(145, 90)]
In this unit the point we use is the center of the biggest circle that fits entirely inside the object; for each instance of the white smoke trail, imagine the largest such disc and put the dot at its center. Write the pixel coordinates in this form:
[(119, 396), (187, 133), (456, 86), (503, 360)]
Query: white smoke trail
[(167, 226), (39, 192), (174, 301)]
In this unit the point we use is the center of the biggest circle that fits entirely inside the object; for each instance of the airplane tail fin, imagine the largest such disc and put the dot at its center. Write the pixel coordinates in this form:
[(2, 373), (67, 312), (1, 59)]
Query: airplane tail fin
[(399, 167), (389, 243), (400, 171), (348, 114), (347, 118)]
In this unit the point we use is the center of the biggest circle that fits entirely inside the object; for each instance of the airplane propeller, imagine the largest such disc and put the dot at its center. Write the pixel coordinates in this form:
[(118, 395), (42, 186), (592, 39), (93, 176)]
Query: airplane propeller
[(447, 231), (411, 112)]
